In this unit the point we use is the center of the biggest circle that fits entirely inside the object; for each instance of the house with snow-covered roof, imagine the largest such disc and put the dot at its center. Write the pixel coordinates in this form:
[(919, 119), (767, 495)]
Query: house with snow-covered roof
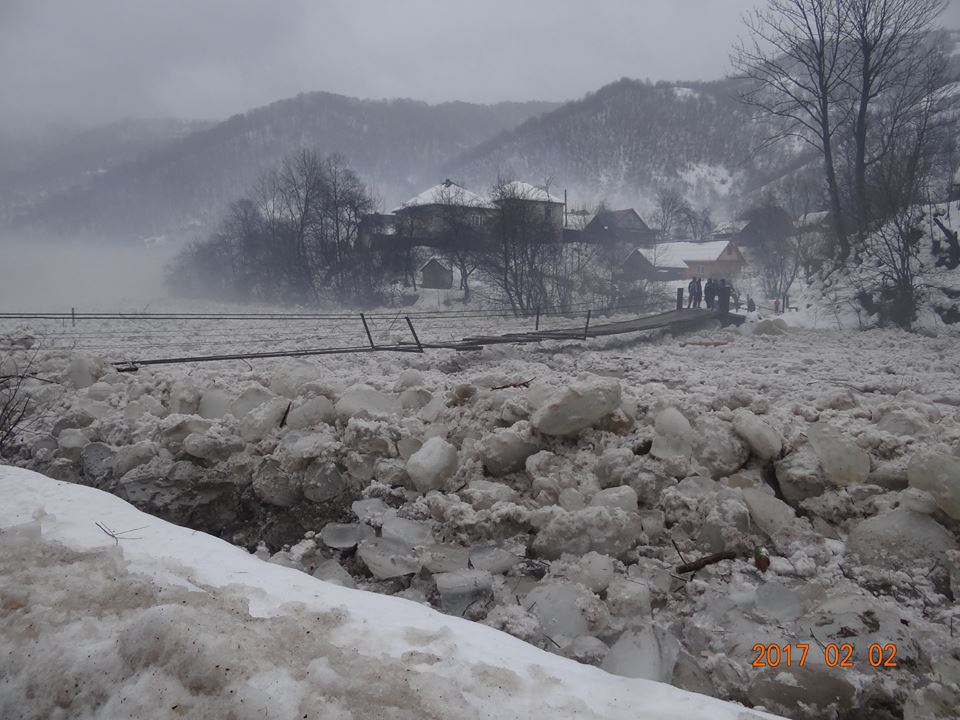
[(442, 216), (619, 226), (757, 226), (536, 200), (684, 260)]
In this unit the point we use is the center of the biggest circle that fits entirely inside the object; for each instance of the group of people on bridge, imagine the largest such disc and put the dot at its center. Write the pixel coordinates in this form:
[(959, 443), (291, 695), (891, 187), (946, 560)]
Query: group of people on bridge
[(715, 293)]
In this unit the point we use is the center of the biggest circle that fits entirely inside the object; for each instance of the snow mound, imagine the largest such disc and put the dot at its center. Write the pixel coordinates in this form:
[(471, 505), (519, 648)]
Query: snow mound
[(169, 623)]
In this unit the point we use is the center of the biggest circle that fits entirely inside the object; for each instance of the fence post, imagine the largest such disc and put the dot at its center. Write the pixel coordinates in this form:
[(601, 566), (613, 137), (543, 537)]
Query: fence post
[(73, 316), (414, 333), (537, 328), (367, 328), (679, 298), (586, 328)]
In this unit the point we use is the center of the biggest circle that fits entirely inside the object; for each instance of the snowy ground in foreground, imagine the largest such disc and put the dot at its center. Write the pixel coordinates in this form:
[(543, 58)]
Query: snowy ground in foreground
[(175, 623)]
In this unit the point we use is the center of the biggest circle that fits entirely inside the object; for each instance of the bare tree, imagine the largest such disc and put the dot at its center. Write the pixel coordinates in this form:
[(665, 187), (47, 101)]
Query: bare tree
[(524, 245), (18, 410), (892, 279), (896, 66), (798, 67), (672, 209), (698, 225), (462, 232), (294, 240)]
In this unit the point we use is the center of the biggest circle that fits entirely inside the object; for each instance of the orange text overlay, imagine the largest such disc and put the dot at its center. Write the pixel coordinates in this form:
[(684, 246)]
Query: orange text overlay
[(834, 655)]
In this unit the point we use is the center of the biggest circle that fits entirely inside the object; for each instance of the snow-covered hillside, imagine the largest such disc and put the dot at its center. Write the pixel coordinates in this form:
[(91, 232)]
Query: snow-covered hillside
[(164, 622)]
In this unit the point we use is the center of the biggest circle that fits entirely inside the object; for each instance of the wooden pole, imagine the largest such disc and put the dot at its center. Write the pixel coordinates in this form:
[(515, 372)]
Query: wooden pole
[(414, 333), (537, 328), (367, 328), (586, 328), (73, 316)]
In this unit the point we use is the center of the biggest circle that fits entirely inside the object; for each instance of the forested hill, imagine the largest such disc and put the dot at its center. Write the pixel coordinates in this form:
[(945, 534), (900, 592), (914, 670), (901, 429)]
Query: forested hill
[(47, 161), (629, 138), (397, 147)]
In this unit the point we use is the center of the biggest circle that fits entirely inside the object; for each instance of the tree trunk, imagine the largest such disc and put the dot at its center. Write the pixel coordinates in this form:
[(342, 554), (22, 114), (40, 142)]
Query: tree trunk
[(836, 207), (860, 141)]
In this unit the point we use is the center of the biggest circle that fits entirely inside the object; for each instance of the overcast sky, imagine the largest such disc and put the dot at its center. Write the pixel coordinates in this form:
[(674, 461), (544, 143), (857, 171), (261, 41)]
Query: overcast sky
[(98, 60)]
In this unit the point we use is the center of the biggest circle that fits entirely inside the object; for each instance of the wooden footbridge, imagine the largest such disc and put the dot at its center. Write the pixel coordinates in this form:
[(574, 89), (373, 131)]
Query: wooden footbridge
[(107, 334), (675, 320)]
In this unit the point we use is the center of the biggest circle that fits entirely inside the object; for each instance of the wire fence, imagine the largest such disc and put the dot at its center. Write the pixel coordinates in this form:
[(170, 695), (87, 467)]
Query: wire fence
[(138, 338)]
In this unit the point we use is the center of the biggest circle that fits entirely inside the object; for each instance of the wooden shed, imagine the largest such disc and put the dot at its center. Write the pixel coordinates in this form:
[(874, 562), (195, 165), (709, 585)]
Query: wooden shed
[(434, 275)]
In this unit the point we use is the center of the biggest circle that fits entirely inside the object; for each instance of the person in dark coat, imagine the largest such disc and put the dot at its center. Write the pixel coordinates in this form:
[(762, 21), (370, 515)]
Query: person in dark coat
[(699, 293), (710, 293), (723, 297), (751, 305), (691, 292)]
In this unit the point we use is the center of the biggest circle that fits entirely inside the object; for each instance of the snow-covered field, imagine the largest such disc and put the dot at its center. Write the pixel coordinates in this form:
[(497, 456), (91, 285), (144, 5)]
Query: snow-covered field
[(546, 491)]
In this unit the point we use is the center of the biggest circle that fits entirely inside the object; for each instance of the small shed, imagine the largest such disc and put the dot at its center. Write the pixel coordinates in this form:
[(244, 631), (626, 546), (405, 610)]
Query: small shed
[(434, 275)]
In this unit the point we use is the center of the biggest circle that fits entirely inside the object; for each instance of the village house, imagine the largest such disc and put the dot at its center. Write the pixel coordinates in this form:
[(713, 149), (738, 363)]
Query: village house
[(683, 260), (757, 227), (442, 211), (449, 216), (549, 205), (612, 227)]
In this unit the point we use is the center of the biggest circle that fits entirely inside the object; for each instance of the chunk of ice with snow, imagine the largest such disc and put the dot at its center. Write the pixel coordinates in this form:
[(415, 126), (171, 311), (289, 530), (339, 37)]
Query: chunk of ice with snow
[(900, 537), (650, 653), (364, 399), (96, 458), (432, 465), (409, 532), (84, 371), (332, 572), (505, 451), (322, 481), (674, 437), (250, 399), (387, 558), (415, 398), (273, 485), (131, 456), (214, 404), (843, 462), (491, 558), (310, 413), (765, 442), (718, 448), (577, 406), (560, 607), (462, 590), (71, 442), (264, 419), (439, 558), (368, 509), (594, 571), (623, 497), (609, 531), (628, 597), (346, 535), (774, 517), (939, 475)]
